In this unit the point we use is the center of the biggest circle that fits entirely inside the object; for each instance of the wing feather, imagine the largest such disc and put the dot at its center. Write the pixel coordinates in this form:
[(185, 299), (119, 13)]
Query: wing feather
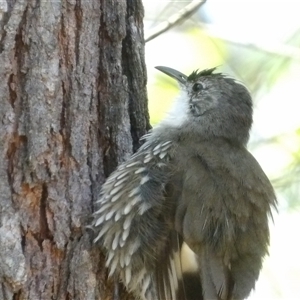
[(134, 224)]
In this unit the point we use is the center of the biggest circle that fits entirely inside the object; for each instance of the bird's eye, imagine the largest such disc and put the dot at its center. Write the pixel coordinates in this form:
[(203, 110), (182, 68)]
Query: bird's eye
[(198, 87)]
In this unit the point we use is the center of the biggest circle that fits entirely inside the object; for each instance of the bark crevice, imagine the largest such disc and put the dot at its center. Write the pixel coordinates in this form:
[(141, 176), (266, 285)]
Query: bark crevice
[(73, 105)]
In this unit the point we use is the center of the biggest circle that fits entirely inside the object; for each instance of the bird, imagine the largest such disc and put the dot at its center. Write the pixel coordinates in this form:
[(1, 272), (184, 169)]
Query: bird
[(187, 216)]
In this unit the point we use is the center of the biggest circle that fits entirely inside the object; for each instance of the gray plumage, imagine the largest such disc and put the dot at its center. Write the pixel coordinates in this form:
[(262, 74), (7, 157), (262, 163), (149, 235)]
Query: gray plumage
[(192, 185)]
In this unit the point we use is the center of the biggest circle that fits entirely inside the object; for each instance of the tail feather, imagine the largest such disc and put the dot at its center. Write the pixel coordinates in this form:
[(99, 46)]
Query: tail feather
[(215, 277), (169, 273)]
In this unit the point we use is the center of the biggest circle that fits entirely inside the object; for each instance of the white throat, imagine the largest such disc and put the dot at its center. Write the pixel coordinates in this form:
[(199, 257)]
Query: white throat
[(178, 113)]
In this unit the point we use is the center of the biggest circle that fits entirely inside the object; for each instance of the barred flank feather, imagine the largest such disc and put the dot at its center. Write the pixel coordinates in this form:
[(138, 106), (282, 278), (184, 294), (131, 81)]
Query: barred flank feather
[(131, 216)]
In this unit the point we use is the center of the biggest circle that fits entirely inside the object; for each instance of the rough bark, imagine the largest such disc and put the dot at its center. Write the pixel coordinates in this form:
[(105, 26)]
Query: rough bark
[(72, 106)]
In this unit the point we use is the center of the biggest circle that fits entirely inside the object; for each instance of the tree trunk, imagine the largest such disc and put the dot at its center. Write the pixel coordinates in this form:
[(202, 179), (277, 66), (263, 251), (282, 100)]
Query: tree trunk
[(73, 105)]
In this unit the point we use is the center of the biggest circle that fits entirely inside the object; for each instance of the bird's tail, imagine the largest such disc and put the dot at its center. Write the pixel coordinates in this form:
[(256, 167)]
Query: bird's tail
[(217, 283)]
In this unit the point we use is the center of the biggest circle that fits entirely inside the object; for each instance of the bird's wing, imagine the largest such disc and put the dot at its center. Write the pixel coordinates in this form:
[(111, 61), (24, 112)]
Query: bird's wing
[(134, 224)]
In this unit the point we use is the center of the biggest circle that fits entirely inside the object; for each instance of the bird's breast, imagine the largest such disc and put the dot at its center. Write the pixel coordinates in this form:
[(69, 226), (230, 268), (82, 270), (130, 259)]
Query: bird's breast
[(221, 197)]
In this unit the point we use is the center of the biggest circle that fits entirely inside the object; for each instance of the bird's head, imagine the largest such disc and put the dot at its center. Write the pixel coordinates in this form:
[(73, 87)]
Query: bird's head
[(211, 104)]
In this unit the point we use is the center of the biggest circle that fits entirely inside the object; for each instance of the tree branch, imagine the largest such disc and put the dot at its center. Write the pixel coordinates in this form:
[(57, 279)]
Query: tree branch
[(266, 46), (175, 19)]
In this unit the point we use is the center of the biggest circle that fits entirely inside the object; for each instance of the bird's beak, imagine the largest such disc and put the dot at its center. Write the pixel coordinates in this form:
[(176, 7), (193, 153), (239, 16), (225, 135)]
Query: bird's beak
[(173, 73)]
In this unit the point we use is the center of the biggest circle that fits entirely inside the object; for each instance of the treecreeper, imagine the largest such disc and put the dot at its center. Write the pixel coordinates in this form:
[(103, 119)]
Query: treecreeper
[(186, 216)]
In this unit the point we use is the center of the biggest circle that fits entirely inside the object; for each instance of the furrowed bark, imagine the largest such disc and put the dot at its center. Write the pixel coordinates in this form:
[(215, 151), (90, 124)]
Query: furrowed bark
[(73, 105)]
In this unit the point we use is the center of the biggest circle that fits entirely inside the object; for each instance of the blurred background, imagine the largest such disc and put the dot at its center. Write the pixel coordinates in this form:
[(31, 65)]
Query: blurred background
[(257, 42)]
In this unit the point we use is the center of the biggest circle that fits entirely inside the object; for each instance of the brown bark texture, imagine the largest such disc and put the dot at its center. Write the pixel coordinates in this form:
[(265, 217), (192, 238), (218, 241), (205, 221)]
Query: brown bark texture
[(73, 105)]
